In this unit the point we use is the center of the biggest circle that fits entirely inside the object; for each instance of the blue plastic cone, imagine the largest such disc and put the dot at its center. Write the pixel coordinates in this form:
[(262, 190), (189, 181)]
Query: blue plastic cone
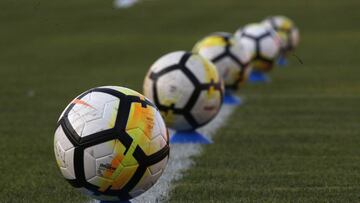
[(258, 77), (231, 99), (189, 137), (282, 61)]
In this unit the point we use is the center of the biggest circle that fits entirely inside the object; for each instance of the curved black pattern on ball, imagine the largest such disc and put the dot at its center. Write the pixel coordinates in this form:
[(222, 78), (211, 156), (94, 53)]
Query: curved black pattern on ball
[(118, 132), (228, 52), (257, 40), (186, 111), (289, 46)]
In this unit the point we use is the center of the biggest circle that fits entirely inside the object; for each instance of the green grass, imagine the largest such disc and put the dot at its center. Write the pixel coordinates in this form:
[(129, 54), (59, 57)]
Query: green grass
[(296, 139)]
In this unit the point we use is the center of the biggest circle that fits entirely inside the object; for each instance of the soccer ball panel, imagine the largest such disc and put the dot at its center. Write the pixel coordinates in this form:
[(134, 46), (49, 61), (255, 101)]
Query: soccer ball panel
[(114, 169), (156, 145), (101, 182), (127, 172), (148, 87), (167, 61), (105, 167), (203, 69), (160, 127), (295, 37), (242, 52), (93, 113), (158, 167), (143, 127), (229, 70), (107, 122), (146, 182), (101, 150), (68, 171), (89, 165), (210, 47), (143, 119), (61, 139), (249, 45), (211, 53), (268, 47), (64, 154), (207, 106), (174, 88), (149, 146), (268, 24), (255, 30)]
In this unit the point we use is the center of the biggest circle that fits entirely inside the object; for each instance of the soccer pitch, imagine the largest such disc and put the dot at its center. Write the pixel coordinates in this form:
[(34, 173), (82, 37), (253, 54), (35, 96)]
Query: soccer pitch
[(295, 139)]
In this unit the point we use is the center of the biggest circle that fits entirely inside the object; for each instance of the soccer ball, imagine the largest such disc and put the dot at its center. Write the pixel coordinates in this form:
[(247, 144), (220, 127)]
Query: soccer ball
[(186, 88), (230, 57), (287, 31), (262, 41), (111, 143)]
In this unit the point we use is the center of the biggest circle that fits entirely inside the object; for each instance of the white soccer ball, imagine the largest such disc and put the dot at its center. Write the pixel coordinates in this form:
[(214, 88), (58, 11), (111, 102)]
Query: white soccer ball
[(230, 57), (287, 31), (262, 41), (186, 88), (111, 143)]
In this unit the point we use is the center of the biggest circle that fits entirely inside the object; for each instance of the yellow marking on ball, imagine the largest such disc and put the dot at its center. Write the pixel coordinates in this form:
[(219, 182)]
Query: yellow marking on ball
[(126, 170), (287, 24), (209, 42), (210, 71), (117, 172), (128, 91), (140, 127)]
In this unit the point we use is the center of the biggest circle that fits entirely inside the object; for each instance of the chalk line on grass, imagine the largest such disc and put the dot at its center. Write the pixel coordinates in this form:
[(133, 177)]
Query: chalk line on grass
[(121, 4), (124, 4), (180, 160)]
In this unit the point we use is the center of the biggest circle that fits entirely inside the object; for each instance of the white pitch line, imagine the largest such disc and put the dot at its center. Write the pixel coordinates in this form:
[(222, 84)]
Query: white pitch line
[(124, 4), (121, 4), (181, 159)]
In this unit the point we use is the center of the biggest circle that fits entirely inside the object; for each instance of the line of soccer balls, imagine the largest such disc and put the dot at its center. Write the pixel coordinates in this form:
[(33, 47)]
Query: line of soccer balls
[(112, 142)]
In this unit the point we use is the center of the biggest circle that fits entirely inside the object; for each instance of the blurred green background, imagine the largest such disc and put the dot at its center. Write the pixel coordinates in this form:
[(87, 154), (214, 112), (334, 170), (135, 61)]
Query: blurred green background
[(296, 139)]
